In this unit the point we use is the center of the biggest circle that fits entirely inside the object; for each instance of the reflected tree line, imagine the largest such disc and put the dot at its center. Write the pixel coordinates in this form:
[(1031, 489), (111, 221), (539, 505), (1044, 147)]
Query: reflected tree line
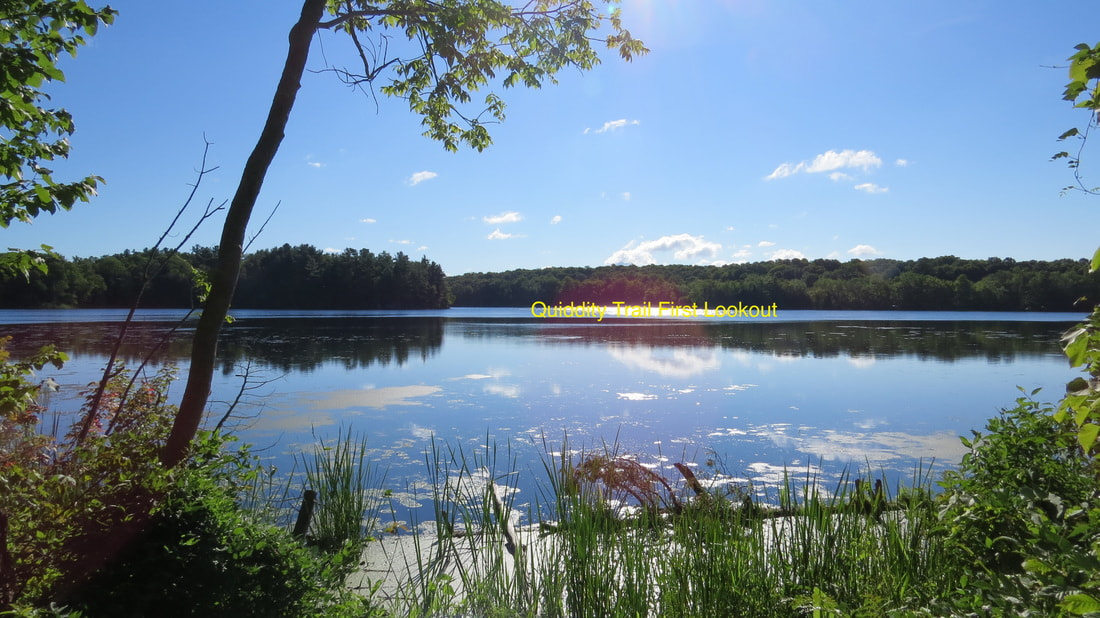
[(945, 341), (303, 345), (284, 344), (928, 283), (286, 277)]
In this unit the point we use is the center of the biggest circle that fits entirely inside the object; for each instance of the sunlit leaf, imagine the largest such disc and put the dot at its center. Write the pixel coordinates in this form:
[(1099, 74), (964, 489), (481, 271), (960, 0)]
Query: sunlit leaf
[(1080, 604), (1087, 436)]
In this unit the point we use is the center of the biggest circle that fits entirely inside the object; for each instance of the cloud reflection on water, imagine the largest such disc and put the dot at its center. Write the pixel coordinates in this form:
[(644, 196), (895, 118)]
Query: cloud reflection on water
[(666, 361)]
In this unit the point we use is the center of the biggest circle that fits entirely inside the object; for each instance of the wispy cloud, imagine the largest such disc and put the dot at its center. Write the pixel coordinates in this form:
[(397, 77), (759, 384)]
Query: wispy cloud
[(612, 125), (556, 219), (626, 196), (870, 187), (684, 247), (368, 220), (499, 235), (504, 217), (330, 250), (314, 164), (901, 162), (765, 243), (787, 254), (419, 177), (402, 242), (838, 176), (864, 250), (741, 255), (829, 161)]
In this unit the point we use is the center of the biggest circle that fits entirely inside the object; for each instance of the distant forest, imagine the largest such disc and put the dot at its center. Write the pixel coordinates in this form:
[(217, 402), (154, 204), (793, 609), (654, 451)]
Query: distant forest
[(928, 283), (304, 277), (285, 277)]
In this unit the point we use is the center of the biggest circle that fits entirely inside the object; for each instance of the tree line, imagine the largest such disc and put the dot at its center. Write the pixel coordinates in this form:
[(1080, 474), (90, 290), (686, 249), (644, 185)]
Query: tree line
[(286, 277), (946, 282), (304, 277)]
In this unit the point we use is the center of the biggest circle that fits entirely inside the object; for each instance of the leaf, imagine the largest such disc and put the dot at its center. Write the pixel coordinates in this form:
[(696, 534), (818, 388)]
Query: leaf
[(1080, 604), (1076, 346), (1095, 261), (1066, 135), (1087, 436)]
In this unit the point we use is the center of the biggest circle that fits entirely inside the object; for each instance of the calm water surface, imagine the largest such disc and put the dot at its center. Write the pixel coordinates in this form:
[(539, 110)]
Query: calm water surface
[(810, 391)]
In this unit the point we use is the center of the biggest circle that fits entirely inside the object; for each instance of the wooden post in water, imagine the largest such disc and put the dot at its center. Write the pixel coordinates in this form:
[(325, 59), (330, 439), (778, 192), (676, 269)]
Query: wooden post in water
[(305, 514)]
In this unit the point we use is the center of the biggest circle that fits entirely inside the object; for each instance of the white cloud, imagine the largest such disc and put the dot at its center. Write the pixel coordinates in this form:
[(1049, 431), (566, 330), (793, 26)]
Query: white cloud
[(742, 255), (419, 177), (422, 248), (862, 250), (499, 235), (504, 217), (869, 187), (626, 196), (901, 162), (368, 220), (828, 161), (330, 250), (765, 243), (784, 170), (729, 228), (833, 160), (836, 176), (684, 247), (401, 242), (611, 125), (787, 254), (315, 164), (556, 219)]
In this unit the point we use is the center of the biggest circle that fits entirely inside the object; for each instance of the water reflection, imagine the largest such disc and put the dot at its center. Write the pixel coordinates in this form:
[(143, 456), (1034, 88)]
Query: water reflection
[(767, 396), (666, 361)]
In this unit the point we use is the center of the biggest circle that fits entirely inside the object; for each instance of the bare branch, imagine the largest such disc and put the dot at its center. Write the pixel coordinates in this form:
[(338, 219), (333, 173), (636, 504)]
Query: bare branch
[(261, 230)]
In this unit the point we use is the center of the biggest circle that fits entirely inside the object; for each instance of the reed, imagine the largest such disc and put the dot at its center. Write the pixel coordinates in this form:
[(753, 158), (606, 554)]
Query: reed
[(346, 484), (796, 550)]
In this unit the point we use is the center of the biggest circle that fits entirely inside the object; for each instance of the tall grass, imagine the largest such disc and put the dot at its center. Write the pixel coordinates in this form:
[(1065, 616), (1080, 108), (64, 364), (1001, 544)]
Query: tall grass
[(851, 550), (345, 481)]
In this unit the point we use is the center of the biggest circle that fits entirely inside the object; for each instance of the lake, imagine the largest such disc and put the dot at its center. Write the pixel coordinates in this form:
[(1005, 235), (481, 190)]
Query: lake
[(808, 391)]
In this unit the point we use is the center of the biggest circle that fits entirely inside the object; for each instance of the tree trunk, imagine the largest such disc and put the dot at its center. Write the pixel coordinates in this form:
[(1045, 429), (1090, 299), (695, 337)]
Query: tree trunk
[(224, 278)]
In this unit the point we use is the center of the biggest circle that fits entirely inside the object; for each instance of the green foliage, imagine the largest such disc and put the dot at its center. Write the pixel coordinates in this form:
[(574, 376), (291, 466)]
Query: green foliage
[(202, 554), (34, 35), (69, 503), (463, 44), (286, 277), (945, 282), (1082, 343), (18, 393), (1083, 90), (21, 262), (101, 527), (1024, 510)]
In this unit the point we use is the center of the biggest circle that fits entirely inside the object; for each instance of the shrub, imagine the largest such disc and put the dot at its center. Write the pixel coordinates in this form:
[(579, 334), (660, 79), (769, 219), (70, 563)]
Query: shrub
[(202, 554), (1022, 509)]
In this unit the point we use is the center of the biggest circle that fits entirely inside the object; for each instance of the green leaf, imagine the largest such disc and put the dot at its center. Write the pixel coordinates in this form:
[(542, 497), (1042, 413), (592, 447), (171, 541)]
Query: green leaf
[(1076, 346), (1080, 604), (1087, 436), (1095, 261)]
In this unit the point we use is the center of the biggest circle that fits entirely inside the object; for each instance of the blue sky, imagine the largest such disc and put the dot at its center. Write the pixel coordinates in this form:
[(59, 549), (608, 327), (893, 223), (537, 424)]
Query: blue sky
[(753, 130)]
